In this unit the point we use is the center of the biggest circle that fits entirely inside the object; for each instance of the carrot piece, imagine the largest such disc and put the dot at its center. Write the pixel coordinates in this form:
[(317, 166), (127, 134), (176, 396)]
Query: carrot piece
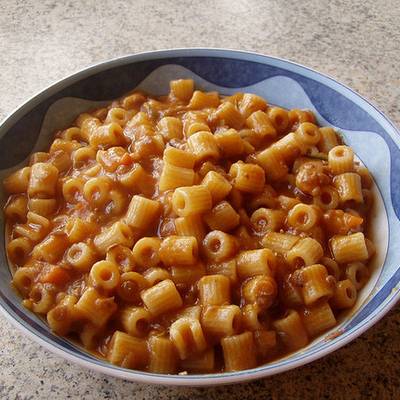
[(56, 275), (352, 221), (126, 159), (338, 222)]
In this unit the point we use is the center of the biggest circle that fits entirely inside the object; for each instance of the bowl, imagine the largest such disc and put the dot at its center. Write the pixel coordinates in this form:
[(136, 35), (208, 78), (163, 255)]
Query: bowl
[(373, 136)]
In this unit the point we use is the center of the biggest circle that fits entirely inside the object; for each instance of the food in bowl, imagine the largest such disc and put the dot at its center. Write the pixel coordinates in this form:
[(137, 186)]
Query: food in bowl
[(191, 232)]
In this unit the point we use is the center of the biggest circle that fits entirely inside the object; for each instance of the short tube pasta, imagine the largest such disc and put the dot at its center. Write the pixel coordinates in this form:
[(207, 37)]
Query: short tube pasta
[(24, 278), (266, 342), (255, 262), (18, 250), (345, 295), (127, 351), (327, 199), (279, 118), (264, 220), (289, 147), (117, 115), (77, 229), (307, 133), (249, 178), (318, 318), (131, 176), (35, 228), (90, 335), (61, 145), (349, 187), (303, 217), (95, 190), (17, 209), (239, 351), (250, 103), (179, 158), (332, 267), (349, 248), (187, 335), (170, 128), (105, 275), (192, 127), (226, 268), (106, 136), (272, 160), (305, 252), (328, 139), (161, 298), (201, 100), (96, 308), (43, 180), (291, 330), (81, 256), (228, 114), (204, 146), (51, 249), (73, 190), (156, 275), (217, 185), (200, 363), (44, 207), (221, 321), (279, 242), (73, 134), (357, 273), (214, 290), (163, 355), (230, 143), (39, 156), (174, 176), (146, 252), (191, 200), (261, 290), (61, 317), (130, 286), (191, 312), (182, 89), (341, 160), (142, 212), (136, 321), (252, 317), (179, 250), (42, 300), (261, 124), (315, 285), (222, 217), (187, 275), (296, 117), (18, 181), (219, 246), (290, 294), (87, 124), (192, 225), (118, 233), (121, 256)]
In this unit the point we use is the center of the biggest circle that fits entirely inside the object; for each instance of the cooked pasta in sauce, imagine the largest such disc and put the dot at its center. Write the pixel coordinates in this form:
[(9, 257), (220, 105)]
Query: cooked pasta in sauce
[(191, 232)]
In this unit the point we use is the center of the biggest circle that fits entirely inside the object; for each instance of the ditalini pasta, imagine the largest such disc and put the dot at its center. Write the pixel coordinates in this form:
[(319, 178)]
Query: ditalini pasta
[(192, 232)]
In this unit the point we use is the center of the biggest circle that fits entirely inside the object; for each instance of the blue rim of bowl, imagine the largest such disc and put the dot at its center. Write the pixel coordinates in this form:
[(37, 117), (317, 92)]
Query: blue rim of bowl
[(226, 377)]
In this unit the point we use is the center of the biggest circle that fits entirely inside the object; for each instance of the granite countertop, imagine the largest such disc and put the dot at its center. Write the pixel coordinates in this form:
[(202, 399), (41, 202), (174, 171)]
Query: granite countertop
[(356, 41)]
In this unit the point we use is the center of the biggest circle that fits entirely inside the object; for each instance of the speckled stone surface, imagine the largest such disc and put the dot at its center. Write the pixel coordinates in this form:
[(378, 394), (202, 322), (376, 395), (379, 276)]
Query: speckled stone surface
[(356, 41)]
